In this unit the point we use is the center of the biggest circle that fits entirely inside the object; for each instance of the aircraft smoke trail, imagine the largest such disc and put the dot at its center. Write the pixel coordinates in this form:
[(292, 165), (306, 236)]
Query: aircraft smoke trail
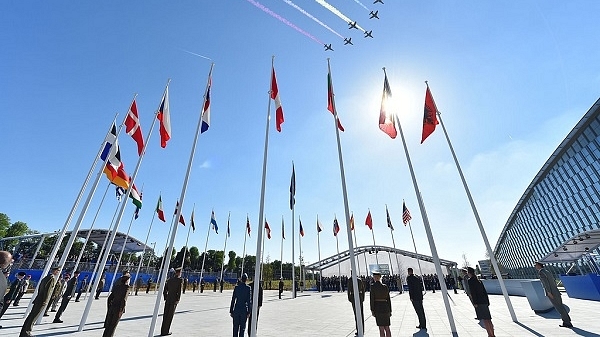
[(363, 6), (202, 56), (336, 12), (278, 17), (312, 17)]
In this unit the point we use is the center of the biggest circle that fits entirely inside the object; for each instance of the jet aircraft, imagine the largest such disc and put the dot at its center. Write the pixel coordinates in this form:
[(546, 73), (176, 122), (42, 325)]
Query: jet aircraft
[(328, 47), (352, 25), (374, 15), (376, 1), (368, 34), (348, 41)]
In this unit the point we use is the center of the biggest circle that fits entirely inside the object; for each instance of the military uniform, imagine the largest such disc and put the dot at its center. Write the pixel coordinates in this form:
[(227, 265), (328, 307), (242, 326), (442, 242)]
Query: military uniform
[(66, 297), (40, 302), (381, 305), (100, 287), (554, 295), (361, 295), (116, 306), (171, 294)]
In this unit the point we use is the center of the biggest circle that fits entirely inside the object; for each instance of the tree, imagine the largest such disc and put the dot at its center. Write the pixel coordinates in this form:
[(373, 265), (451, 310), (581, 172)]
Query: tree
[(194, 257), (231, 265), (4, 224), (465, 261), (16, 229)]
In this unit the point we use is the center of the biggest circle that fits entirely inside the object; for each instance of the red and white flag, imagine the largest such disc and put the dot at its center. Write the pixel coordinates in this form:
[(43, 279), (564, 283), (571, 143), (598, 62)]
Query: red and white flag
[(134, 128), (369, 221), (181, 219), (429, 115), (164, 117), (275, 96), (268, 230), (159, 210)]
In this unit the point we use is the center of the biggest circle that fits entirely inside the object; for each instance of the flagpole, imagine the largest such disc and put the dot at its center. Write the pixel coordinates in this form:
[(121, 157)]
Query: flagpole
[(293, 206), (262, 255), (389, 221), (319, 251), (88, 305), (356, 245), (87, 238), (337, 243), (61, 235), (418, 260), (359, 318), (246, 234), (187, 238), (479, 224), (121, 255), (301, 276), (374, 245), (281, 258), (261, 224), (225, 247), (180, 208), (137, 273), (204, 255), (434, 253), (394, 244)]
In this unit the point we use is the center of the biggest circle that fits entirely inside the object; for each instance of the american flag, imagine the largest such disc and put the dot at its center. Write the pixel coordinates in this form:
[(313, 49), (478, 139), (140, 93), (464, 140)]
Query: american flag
[(405, 214)]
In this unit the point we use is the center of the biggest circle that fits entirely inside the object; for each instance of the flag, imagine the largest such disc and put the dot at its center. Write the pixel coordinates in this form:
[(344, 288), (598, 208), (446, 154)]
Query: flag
[(119, 191), (319, 226), (111, 155), (228, 230), (336, 227), (213, 222), (164, 117), (117, 176), (136, 197), (330, 101), (248, 225), (282, 229), (159, 209), (275, 96), (429, 116), (181, 219), (293, 188), (136, 214), (405, 214), (386, 121), (192, 224), (134, 128), (301, 228), (206, 107), (109, 141), (389, 221), (268, 230), (352, 222), (369, 221)]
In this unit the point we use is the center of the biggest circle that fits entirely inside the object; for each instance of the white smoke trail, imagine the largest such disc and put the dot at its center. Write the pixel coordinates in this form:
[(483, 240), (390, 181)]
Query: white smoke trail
[(363, 6), (337, 12), (312, 17), (189, 52)]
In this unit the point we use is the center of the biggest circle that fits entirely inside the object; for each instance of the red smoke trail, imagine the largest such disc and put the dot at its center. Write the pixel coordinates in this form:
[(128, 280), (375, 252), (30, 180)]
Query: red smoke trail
[(278, 17)]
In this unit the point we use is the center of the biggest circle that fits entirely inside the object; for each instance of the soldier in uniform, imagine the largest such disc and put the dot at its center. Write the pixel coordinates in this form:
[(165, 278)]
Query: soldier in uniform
[(239, 308), (171, 294), (23, 286), (148, 285), (138, 284), (40, 301), (66, 297), (100, 285), (185, 284), (280, 287), (381, 305), (553, 294), (481, 302), (81, 288), (59, 288), (415, 291), (361, 295), (116, 305)]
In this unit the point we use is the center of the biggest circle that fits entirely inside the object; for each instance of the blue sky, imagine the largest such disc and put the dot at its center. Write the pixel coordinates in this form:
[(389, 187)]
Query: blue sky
[(510, 78)]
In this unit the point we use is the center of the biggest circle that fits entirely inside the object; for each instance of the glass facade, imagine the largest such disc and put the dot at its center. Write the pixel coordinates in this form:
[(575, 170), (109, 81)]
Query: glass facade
[(562, 200)]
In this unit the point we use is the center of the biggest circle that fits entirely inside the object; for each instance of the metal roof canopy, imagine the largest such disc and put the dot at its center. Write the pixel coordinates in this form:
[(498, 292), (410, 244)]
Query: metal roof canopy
[(98, 236), (575, 247)]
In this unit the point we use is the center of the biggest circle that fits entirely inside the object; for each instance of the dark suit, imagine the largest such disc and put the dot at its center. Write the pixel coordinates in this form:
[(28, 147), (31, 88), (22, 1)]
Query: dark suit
[(66, 297), (260, 300), (361, 295), (415, 291), (10, 295), (239, 308), (171, 294), (280, 288), (116, 307), (81, 289), (40, 302), (100, 287)]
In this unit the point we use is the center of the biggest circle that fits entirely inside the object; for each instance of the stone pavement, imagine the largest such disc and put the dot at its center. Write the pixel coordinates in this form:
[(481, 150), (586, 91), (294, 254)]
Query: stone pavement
[(314, 314)]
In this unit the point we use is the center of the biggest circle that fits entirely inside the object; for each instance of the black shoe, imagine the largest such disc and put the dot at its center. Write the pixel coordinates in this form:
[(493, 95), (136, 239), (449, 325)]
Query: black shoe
[(46, 315), (166, 334), (76, 300), (566, 325), (56, 320), (52, 310)]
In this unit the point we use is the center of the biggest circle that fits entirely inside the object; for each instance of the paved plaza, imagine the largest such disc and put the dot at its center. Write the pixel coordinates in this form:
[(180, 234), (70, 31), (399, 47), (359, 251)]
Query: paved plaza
[(313, 314)]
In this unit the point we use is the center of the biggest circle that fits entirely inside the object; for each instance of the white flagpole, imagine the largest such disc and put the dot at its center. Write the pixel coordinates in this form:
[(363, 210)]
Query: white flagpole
[(110, 241), (418, 260), (121, 254), (479, 224), (87, 238), (137, 273), (356, 245), (301, 276), (179, 209), (293, 206), (246, 234), (319, 252), (359, 319), (204, 255), (262, 255), (61, 235), (261, 224), (281, 258), (373, 234), (188, 238), (391, 232), (434, 253), (395, 254), (225, 247), (337, 243)]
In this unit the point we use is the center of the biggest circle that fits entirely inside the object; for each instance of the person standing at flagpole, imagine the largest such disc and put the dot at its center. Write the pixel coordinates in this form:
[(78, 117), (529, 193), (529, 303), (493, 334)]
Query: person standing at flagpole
[(292, 207), (281, 258), (300, 260)]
